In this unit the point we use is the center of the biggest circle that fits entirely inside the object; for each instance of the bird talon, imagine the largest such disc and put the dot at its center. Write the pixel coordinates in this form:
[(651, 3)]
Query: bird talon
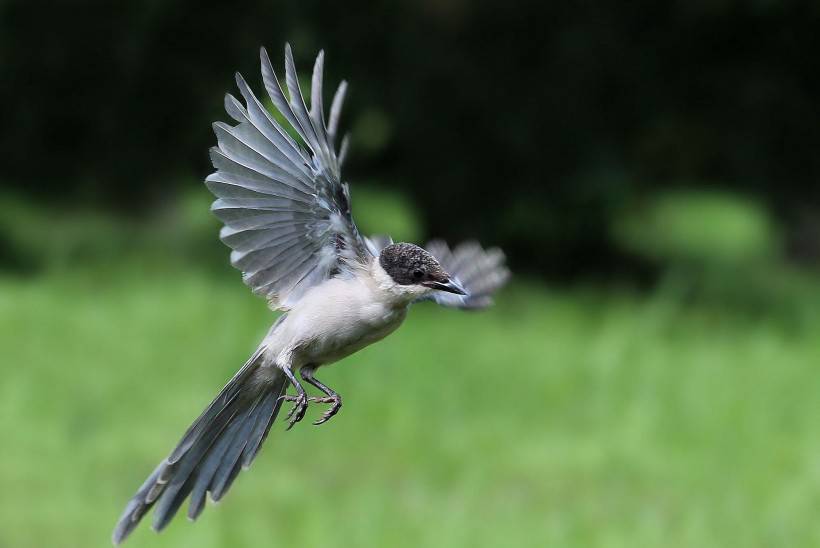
[(336, 400), (297, 412), (290, 413)]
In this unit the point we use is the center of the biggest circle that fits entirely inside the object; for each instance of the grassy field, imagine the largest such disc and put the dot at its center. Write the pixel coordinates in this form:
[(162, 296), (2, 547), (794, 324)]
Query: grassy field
[(556, 419)]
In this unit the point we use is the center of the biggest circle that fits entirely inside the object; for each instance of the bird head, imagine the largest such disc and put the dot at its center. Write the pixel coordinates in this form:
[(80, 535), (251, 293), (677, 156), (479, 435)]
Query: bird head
[(412, 268)]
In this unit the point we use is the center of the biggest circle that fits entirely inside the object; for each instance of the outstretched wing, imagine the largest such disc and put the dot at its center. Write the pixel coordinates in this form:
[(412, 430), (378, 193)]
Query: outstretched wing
[(286, 212), (481, 272)]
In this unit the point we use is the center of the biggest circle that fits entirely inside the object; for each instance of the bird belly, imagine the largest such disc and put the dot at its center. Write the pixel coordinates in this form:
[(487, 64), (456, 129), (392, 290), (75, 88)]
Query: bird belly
[(347, 337), (332, 322)]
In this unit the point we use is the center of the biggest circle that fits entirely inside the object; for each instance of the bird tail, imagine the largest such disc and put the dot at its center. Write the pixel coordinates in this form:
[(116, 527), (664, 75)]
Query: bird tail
[(224, 439)]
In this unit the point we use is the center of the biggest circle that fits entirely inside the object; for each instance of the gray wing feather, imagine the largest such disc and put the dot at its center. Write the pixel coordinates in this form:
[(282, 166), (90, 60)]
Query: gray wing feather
[(336, 110), (345, 146), (377, 242), (481, 272), (285, 209), (264, 123)]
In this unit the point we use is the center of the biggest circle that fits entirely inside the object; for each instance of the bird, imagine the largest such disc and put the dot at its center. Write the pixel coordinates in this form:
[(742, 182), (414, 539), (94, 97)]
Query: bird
[(287, 219)]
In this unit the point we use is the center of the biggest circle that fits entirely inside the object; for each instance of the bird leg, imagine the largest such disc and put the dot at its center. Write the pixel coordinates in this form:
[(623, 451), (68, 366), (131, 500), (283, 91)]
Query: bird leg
[(297, 412), (331, 395)]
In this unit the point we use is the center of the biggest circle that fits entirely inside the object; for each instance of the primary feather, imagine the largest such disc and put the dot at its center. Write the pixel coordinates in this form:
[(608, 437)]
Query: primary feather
[(481, 272), (286, 211)]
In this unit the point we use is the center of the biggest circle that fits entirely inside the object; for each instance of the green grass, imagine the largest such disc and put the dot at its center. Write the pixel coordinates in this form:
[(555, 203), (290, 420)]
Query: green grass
[(555, 419)]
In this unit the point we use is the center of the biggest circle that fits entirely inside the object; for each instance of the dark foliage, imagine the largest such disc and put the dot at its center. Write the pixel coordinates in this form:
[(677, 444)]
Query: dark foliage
[(526, 124)]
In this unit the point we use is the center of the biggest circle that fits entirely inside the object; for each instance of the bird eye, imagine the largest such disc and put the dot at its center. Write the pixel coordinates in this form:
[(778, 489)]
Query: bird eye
[(417, 274)]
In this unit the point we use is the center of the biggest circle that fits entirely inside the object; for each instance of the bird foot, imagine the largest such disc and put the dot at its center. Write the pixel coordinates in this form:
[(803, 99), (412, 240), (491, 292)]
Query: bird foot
[(297, 412), (336, 400)]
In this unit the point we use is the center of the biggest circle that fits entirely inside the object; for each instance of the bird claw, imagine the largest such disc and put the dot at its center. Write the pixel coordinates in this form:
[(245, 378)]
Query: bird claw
[(336, 400), (297, 412)]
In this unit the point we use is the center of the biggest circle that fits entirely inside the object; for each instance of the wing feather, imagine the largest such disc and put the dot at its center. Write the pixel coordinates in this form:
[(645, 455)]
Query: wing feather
[(270, 128), (285, 209), (242, 153), (317, 114), (222, 188), (242, 175), (336, 110), (298, 107), (481, 272), (245, 241)]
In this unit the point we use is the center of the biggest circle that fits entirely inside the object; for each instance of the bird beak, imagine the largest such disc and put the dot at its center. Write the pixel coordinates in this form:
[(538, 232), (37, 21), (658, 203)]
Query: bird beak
[(449, 285)]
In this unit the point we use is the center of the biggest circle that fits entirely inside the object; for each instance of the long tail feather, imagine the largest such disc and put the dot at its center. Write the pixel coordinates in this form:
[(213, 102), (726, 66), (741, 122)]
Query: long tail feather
[(223, 440)]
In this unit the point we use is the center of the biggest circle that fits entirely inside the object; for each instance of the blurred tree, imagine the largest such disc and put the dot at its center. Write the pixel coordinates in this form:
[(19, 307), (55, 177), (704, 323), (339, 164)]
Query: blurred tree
[(528, 124)]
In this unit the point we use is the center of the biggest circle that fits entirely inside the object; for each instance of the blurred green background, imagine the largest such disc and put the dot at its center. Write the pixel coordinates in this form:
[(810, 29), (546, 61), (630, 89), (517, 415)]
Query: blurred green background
[(649, 377)]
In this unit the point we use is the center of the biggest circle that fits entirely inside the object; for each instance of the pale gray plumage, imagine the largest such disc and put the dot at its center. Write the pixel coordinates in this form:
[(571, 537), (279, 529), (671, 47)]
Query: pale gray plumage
[(481, 272), (224, 438), (288, 223), (286, 211)]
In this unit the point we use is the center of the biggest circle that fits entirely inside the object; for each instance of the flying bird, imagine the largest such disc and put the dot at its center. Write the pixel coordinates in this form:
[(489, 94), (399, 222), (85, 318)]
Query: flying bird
[(287, 220)]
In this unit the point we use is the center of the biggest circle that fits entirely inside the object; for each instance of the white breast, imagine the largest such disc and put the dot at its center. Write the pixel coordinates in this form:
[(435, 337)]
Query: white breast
[(334, 320)]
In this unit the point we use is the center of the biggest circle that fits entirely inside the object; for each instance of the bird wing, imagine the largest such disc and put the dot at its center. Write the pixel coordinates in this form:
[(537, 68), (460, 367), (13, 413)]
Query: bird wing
[(377, 242), (285, 209), (481, 272)]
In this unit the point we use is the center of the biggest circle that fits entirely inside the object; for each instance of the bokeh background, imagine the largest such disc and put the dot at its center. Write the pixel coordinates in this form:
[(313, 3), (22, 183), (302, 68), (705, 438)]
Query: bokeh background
[(649, 378)]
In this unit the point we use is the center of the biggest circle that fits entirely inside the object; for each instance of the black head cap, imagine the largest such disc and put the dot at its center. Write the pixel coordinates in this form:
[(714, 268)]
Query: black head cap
[(409, 264)]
